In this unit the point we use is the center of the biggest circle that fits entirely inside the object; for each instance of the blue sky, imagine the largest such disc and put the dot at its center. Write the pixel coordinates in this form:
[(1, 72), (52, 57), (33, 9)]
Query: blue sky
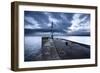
[(70, 23)]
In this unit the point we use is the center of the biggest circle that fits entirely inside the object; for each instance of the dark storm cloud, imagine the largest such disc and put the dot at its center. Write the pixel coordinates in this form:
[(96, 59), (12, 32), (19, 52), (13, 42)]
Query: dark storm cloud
[(69, 23), (44, 19)]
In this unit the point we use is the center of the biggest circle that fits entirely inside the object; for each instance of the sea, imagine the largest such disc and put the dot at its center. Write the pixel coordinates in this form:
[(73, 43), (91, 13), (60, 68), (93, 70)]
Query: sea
[(78, 39)]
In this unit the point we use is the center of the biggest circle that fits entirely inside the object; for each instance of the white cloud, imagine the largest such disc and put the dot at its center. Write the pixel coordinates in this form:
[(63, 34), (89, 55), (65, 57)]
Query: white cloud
[(51, 18), (78, 25), (63, 16), (28, 26), (32, 21), (49, 24), (84, 18)]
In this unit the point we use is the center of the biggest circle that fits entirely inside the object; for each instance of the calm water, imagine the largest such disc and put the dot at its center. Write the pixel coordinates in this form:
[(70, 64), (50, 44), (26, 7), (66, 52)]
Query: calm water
[(32, 46), (36, 42)]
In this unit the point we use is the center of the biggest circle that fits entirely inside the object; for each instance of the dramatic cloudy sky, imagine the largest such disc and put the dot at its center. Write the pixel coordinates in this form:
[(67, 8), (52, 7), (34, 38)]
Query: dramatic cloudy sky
[(70, 23)]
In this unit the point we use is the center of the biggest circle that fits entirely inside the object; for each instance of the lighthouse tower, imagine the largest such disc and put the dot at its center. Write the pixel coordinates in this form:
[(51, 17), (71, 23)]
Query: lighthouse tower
[(52, 30)]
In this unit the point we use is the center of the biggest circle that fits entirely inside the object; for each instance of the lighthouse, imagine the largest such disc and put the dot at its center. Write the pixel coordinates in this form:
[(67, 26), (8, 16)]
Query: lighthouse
[(52, 30)]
